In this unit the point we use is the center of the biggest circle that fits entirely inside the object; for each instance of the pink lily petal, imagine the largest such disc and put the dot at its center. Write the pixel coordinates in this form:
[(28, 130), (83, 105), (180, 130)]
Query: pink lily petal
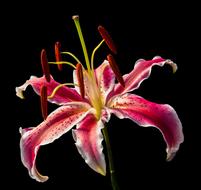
[(105, 78), (105, 115), (141, 71), (88, 139), (62, 96), (57, 123), (145, 113)]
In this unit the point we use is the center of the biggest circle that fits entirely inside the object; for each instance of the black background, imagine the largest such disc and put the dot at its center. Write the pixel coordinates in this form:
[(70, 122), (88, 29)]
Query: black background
[(140, 30)]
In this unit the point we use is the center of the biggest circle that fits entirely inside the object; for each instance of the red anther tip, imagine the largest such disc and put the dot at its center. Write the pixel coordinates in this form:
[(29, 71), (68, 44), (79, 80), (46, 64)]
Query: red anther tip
[(58, 54), (115, 69), (108, 40), (43, 101), (45, 66), (80, 78)]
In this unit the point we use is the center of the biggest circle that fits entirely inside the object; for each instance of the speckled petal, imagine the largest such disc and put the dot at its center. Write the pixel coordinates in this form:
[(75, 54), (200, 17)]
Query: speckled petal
[(62, 96), (141, 71), (57, 123), (88, 139), (145, 113), (105, 78)]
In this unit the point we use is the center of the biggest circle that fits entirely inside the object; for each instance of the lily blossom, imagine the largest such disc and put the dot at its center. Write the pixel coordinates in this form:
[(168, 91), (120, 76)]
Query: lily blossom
[(89, 103)]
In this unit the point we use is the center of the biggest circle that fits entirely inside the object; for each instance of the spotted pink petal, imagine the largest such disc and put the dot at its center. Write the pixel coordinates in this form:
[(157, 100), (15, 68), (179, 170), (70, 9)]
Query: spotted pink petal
[(57, 123), (88, 139), (145, 113), (141, 71), (105, 79), (62, 96)]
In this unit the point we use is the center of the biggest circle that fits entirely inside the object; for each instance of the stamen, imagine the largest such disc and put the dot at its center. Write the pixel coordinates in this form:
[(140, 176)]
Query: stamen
[(58, 55), (58, 87), (43, 101), (115, 69), (79, 31), (80, 78), (93, 53), (45, 65), (63, 62), (72, 55), (108, 40)]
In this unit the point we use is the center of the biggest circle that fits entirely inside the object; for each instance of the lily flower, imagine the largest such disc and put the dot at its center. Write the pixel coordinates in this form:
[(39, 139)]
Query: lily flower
[(88, 104)]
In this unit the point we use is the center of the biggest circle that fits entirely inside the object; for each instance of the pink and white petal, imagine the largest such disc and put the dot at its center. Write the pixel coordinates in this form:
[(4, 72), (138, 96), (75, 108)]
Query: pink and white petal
[(146, 113), (105, 115), (88, 139), (105, 79), (75, 81), (62, 96), (57, 123), (141, 71)]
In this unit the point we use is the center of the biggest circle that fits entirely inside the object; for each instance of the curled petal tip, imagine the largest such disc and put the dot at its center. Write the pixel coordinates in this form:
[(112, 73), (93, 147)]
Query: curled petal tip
[(19, 90), (170, 156), (101, 171), (37, 176), (20, 130), (172, 64), (157, 57), (43, 179), (174, 67), (19, 93)]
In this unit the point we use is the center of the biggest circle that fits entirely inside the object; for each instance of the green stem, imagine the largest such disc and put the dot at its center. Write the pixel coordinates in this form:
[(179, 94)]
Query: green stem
[(79, 31), (110, 159)]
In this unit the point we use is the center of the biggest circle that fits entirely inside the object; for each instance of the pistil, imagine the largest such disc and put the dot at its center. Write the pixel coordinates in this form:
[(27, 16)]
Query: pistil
[(77, 24)]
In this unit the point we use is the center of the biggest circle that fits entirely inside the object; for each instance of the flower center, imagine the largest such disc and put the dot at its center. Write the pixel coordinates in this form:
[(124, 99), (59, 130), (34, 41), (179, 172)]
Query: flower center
[(86, 79), (93, 93), (89, 81)]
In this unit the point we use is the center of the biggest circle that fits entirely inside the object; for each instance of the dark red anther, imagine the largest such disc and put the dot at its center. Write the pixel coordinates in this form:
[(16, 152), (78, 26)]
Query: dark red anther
[(115, 69), (80, 79), (108, 40), (58, 54), (43, 101), (45, 66)]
